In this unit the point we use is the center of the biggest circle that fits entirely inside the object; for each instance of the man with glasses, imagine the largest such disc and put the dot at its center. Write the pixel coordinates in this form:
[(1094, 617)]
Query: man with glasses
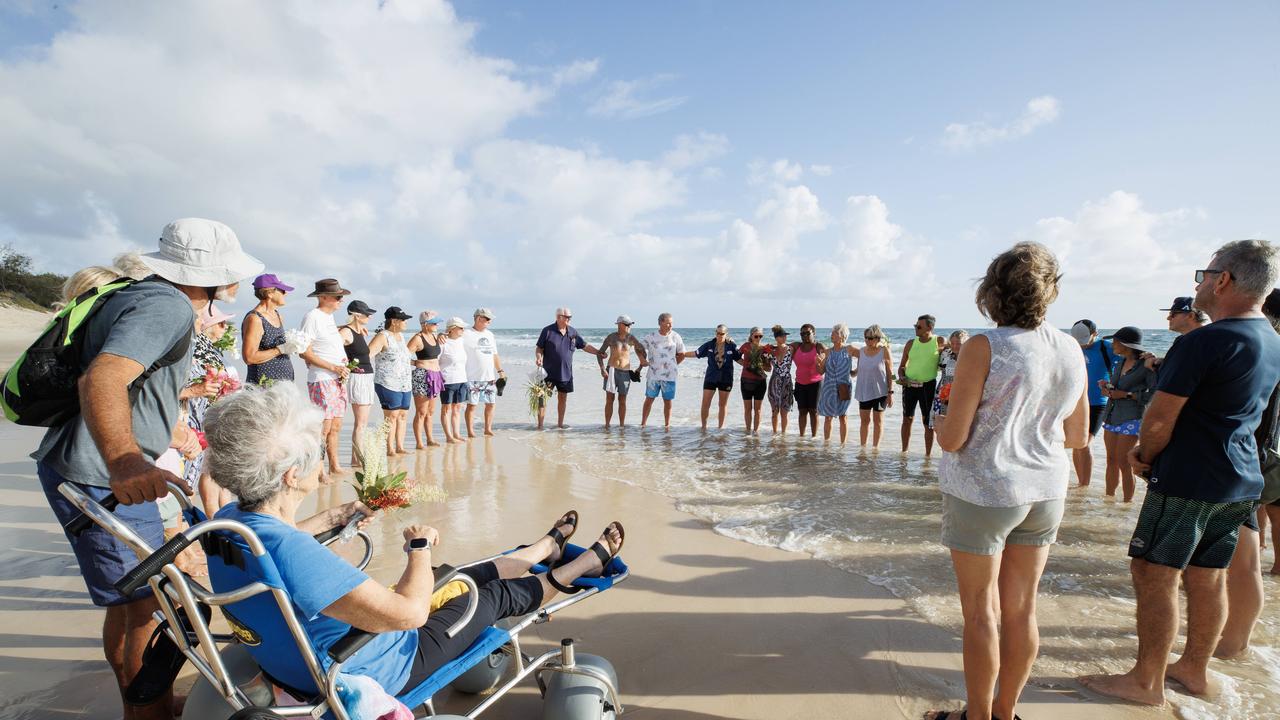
[(1199, 455), (617, 373), (554, 354), (1184, 316), (918, 373)]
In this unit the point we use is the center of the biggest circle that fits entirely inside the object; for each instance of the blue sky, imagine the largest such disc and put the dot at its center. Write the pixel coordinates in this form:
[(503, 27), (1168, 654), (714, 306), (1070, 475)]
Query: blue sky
[(730, 162)]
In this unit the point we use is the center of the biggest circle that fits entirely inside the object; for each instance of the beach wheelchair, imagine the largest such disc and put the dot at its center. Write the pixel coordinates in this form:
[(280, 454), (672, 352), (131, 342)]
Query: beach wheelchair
[(573, 686)]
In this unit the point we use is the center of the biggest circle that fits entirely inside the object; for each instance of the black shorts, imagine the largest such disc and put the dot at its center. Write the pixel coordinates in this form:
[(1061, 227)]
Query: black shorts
[(564, 386), (1177, 532), (877, 405), (1095, 418), (807, 395), (722, 387), (922, 396), (753, 389)]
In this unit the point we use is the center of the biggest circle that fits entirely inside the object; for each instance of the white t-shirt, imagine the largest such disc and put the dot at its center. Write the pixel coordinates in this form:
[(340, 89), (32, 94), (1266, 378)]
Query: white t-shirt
[(660, 350), (453, 361), (326, 343), (481, 348)]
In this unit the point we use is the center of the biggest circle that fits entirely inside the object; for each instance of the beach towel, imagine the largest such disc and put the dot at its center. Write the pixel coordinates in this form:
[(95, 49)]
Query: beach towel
[(365, 699)]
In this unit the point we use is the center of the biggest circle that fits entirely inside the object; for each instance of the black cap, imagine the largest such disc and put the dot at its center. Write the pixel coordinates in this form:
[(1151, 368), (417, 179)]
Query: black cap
[(1129, 336), (359, 306), (1180, 304), (395, 313)]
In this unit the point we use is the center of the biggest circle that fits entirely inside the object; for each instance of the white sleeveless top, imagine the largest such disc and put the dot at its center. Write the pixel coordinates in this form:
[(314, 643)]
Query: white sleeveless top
[(453, 361), (872, 382), (1015, 454)]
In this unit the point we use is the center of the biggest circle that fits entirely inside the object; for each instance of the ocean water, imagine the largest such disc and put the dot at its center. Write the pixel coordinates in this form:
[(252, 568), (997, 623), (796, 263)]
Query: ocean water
[(875, 513)]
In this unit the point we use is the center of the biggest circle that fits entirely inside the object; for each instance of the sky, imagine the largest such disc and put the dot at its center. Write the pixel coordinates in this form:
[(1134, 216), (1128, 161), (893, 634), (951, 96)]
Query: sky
[(737, 162)]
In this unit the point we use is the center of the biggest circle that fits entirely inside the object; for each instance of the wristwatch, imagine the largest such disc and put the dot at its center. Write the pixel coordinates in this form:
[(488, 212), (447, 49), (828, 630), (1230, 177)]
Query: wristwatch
[(417, 544)]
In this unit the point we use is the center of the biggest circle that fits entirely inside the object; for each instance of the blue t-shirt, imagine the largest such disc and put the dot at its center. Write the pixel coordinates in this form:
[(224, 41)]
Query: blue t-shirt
[(1227, 371), (315, 577), (141, 322), (1098, 368), (557, 351), (719, 375)]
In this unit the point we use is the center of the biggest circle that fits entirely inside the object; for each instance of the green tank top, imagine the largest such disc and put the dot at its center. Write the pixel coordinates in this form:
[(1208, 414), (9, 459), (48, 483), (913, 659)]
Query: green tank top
[(922, 362)]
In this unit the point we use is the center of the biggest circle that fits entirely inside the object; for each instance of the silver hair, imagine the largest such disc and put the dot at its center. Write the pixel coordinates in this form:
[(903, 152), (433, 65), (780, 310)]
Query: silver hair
[(755, 329), (961, 335), (874, 331), (841, 330), (664, 316), (256, 435), (722, 328), (1254, 265), (563, 311)]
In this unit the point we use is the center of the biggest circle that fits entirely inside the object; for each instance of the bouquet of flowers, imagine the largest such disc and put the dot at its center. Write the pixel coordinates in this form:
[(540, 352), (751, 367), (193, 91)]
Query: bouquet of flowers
[(227, 376), (756, 359), (352, 366), (295, 342), (538, 391), (227, 341), (379, 488), (944, 397)]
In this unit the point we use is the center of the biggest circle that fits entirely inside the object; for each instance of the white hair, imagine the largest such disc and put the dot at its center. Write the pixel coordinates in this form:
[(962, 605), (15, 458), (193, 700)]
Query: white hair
[(257, 435), (841, 330), (961, 335), (1254, 265), (664, 316), (563, 311)]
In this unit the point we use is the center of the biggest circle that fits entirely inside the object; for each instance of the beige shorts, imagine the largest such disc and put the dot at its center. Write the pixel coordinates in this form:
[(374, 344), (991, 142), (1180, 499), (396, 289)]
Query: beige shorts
[(981, 530)]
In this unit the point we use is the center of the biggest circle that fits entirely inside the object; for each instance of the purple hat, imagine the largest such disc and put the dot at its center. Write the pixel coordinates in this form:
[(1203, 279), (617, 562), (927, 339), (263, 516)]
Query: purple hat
[(270, 281)]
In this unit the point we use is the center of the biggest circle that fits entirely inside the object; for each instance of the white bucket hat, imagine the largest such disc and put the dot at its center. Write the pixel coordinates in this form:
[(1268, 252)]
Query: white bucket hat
[(201, 253)]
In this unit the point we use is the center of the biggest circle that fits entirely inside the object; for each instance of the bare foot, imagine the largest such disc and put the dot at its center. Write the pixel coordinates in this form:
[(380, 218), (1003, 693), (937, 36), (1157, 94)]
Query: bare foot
[(1224, 652), (432, 443), (1125, 687), (401, 451), (566, 529), (1196, 682), (488, 433), (611, 538)]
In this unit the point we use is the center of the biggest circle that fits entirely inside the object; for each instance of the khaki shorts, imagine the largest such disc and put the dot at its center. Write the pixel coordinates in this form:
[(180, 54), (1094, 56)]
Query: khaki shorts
[(981, 530)]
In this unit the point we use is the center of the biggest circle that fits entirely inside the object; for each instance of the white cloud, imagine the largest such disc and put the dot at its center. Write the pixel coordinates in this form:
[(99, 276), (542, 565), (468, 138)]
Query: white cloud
[(576, 72), (628, 99), (781, 170), (693, 150), (968, 136), (821, 170)]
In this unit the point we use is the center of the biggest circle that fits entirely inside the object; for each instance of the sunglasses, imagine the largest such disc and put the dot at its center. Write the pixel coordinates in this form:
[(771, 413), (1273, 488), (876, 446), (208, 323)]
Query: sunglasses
[(719, 334), (1201, 273), (756, 337)]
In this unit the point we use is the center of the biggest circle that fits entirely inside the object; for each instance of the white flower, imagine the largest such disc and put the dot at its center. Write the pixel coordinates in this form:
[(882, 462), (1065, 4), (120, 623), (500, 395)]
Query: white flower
[(295, 342)]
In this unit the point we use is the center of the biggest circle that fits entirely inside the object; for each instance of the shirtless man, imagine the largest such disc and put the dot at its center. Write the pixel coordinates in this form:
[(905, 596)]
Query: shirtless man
[(616, 350)]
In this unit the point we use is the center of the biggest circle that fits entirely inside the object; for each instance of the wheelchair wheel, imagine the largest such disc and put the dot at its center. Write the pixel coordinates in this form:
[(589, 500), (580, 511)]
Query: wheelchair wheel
[(483, 676), (205, 702), (575, 697)]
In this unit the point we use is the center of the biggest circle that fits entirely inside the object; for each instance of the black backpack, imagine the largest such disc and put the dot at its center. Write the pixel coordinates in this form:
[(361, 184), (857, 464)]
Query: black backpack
[(42, 387)]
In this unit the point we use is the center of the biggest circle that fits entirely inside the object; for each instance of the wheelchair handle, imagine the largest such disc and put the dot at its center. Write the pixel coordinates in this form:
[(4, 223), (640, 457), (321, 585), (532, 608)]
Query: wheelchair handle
[(151, 565), (82, 522)]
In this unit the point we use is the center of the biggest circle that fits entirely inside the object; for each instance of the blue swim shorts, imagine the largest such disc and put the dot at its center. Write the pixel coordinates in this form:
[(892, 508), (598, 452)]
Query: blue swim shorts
[(454, 394), (393, 399), (103, 559), (666, 388)]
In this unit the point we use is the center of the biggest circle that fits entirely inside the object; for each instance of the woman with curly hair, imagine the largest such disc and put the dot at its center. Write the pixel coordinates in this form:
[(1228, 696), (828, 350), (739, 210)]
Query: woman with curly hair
[(1018, 399)]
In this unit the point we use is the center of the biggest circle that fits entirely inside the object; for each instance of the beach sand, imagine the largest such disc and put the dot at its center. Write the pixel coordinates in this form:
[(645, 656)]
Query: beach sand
[(706, 627)]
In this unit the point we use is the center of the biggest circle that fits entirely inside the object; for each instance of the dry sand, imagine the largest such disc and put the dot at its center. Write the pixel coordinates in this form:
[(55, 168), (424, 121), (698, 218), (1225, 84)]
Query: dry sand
[(707, 627)]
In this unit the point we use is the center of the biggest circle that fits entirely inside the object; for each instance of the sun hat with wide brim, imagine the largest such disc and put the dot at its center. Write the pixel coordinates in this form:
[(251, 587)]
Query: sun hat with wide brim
[(201, 253), (330, 287)]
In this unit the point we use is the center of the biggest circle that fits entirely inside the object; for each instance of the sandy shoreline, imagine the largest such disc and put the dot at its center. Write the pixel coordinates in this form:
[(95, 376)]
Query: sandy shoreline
[(707, 627)]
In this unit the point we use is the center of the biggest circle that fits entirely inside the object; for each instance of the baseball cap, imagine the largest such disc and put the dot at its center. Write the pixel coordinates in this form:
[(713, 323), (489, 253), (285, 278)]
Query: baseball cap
[(624, 320), (483, 312), (1129, 336), (1180, 304), (268, 280), (1083, 331), (429, 317), (455, 322), (359, 306), (395, 313)]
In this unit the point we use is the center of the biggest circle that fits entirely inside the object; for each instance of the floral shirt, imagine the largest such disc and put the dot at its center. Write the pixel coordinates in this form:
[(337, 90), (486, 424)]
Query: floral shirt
[(661, 351)]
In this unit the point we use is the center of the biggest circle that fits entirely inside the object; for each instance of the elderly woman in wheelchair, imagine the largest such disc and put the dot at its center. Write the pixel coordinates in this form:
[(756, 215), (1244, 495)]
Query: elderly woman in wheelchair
[(264, 446)]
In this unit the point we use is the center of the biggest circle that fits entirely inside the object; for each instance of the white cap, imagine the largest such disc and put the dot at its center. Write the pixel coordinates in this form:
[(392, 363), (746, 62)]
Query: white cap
[(483, 312), (201, 253), (454, 322), (624, 320)]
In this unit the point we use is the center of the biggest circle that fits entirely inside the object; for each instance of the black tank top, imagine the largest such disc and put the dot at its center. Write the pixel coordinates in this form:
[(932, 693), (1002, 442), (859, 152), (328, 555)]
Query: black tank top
[(358, 350), (428, 352)]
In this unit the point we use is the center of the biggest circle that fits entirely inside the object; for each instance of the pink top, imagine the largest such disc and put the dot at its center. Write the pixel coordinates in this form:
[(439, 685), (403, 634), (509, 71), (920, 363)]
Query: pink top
[(806, 362)]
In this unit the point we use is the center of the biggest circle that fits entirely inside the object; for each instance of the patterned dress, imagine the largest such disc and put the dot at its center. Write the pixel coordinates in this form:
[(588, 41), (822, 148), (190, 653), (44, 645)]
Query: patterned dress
[(836, 373), (781, 386), (203, 355), (278, 367)]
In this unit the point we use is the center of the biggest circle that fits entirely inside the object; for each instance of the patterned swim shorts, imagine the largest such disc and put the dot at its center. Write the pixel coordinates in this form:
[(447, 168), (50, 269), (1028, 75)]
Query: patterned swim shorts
[(1131, 427), (484, 392), (427, 383), (329, 396)]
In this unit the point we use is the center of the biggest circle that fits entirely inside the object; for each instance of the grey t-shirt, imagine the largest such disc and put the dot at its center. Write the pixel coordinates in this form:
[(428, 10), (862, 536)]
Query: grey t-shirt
[(141, 322)]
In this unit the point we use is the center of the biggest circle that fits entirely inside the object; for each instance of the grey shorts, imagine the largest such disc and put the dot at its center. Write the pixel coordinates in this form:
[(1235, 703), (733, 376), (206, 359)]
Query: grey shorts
[(983, 530), (621, 381)]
